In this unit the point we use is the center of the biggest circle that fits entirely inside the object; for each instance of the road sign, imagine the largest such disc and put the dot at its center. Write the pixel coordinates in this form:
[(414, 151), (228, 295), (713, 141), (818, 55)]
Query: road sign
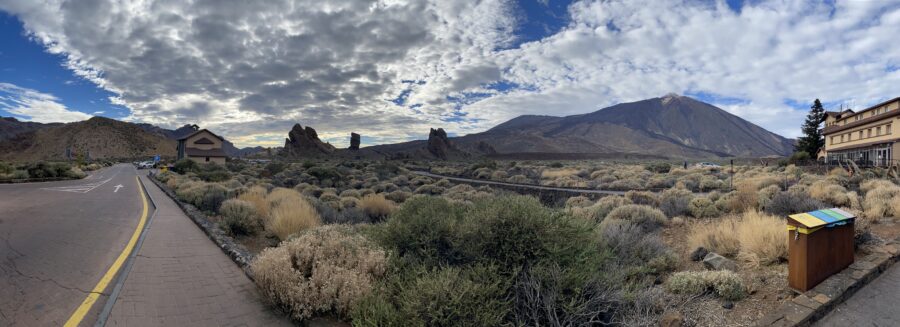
[(156, 158)]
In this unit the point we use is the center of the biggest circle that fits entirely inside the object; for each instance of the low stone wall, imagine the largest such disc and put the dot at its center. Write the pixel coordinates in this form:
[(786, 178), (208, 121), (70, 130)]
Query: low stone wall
[(237, 252), (816, 303)]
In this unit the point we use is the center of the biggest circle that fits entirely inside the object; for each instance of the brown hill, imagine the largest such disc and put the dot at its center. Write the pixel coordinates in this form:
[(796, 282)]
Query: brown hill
[(671, 126), (100, 137)]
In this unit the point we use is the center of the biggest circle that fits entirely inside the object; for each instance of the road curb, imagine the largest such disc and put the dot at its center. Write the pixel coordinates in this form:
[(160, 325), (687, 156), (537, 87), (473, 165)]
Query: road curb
[(815, 304), (237, 252), (123, 275)]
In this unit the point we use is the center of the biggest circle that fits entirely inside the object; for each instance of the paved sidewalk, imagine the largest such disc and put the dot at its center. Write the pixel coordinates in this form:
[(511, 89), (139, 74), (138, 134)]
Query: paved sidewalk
[(181, 278), (876, 304)]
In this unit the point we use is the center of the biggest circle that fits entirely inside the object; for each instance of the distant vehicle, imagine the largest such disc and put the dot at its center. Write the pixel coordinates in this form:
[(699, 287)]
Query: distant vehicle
[(708, 165), (146, 165)]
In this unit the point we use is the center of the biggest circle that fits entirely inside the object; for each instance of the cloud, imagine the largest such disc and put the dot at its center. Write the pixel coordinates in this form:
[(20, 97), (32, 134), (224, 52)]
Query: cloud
[(31, 105), (250, 70)]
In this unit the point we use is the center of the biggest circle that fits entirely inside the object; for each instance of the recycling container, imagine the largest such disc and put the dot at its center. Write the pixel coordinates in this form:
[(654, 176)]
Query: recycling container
[(820, 244)]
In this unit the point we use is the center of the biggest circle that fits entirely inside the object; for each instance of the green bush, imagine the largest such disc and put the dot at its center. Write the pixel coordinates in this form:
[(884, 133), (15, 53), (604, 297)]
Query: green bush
[(212, 172), (659, 167), (702, 207), (323, 173), (445, 296), (184, 166), (6, 169), (477, 253), (272, 168), (49, 170), (642, 197), (239, 217)]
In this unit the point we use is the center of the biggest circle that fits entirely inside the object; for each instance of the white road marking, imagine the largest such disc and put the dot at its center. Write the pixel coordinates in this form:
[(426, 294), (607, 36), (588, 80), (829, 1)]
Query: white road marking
[(84, 188), (117, 188)]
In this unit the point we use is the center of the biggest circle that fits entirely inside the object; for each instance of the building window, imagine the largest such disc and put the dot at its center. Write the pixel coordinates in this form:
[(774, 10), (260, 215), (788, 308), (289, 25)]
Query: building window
[(842, 137), (832, 140), (878, 131), (887, 129), (869, 133), (207, 159), (860, 135)]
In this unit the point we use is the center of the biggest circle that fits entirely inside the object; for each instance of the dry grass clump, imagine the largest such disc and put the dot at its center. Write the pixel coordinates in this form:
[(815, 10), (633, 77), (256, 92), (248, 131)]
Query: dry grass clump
[(829, 193), (519, 179), (765, 195), (349, 202), (398, 196), (723, 283), (291, 213), (762, 238), (376, 206), (257, 197), (430, 189), (746, 197), (648, 218), (881, 199), (326, 270), (755, 238)]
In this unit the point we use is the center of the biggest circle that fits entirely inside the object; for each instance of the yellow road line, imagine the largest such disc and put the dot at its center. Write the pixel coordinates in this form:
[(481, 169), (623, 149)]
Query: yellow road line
[(88, 302)]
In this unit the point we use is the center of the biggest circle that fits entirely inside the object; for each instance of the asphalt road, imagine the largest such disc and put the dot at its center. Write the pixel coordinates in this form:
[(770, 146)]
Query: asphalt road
[(58, 239)]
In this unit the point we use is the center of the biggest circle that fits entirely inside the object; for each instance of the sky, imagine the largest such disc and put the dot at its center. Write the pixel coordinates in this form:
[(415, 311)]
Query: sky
[(392, 69)]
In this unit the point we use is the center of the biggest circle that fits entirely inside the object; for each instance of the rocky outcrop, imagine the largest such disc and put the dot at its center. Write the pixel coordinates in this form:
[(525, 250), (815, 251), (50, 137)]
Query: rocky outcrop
[(485, 148), (714, 261), (354, 141), (438, 143), (304, 142)]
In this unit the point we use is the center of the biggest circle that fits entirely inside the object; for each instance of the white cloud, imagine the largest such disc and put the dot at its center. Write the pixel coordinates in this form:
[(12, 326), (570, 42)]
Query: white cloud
[(31, 105), (251, 69)]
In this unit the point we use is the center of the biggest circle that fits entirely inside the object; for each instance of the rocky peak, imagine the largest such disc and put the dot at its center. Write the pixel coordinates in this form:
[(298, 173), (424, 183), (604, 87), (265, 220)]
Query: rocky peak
[(305, 142), (438, 143), (354, 141)]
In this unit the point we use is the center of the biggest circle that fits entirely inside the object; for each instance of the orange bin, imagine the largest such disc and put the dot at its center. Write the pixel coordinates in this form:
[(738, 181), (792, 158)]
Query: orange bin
[(820, 245)]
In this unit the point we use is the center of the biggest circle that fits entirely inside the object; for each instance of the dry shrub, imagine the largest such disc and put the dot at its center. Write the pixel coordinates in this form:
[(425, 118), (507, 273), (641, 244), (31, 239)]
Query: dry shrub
[(578, 201), (725, 284), (326, 270), (398, 196), (603, 207), (755, 238), (648, 218), (291, 214), (702, 207), (349, 202), (376, 206), (239, 217), (675, 201), (279, 195), (765, 195), (642, 197), (558, 173), (257, 196), (518, 179), (829, 193)]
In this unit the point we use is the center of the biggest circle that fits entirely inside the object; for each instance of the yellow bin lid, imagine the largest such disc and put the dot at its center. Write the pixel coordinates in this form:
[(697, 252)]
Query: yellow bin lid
[(820, 218)]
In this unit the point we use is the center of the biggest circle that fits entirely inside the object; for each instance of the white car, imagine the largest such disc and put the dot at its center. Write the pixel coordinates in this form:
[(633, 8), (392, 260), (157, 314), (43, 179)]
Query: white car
[(145, 165), (708, 165)]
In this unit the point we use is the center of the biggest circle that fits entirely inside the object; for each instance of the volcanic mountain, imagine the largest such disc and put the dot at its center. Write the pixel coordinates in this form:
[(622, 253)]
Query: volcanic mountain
[(671, 126)]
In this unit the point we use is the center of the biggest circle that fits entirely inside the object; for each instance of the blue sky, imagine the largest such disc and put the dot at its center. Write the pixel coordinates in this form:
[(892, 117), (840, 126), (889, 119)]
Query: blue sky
[(25, 63), (393, 72)]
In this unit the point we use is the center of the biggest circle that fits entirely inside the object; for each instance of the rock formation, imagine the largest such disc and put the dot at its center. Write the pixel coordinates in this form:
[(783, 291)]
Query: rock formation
[(354, 141), (485, 148), (304, 142), (438, 143)]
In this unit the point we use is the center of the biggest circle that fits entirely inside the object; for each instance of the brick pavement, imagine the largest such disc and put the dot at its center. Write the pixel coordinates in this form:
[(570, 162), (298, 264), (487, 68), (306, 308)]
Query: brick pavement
[(876, 304), (181, 278)]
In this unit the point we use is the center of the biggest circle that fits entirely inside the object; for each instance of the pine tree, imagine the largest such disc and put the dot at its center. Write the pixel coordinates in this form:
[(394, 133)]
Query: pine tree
[(812, 139)]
